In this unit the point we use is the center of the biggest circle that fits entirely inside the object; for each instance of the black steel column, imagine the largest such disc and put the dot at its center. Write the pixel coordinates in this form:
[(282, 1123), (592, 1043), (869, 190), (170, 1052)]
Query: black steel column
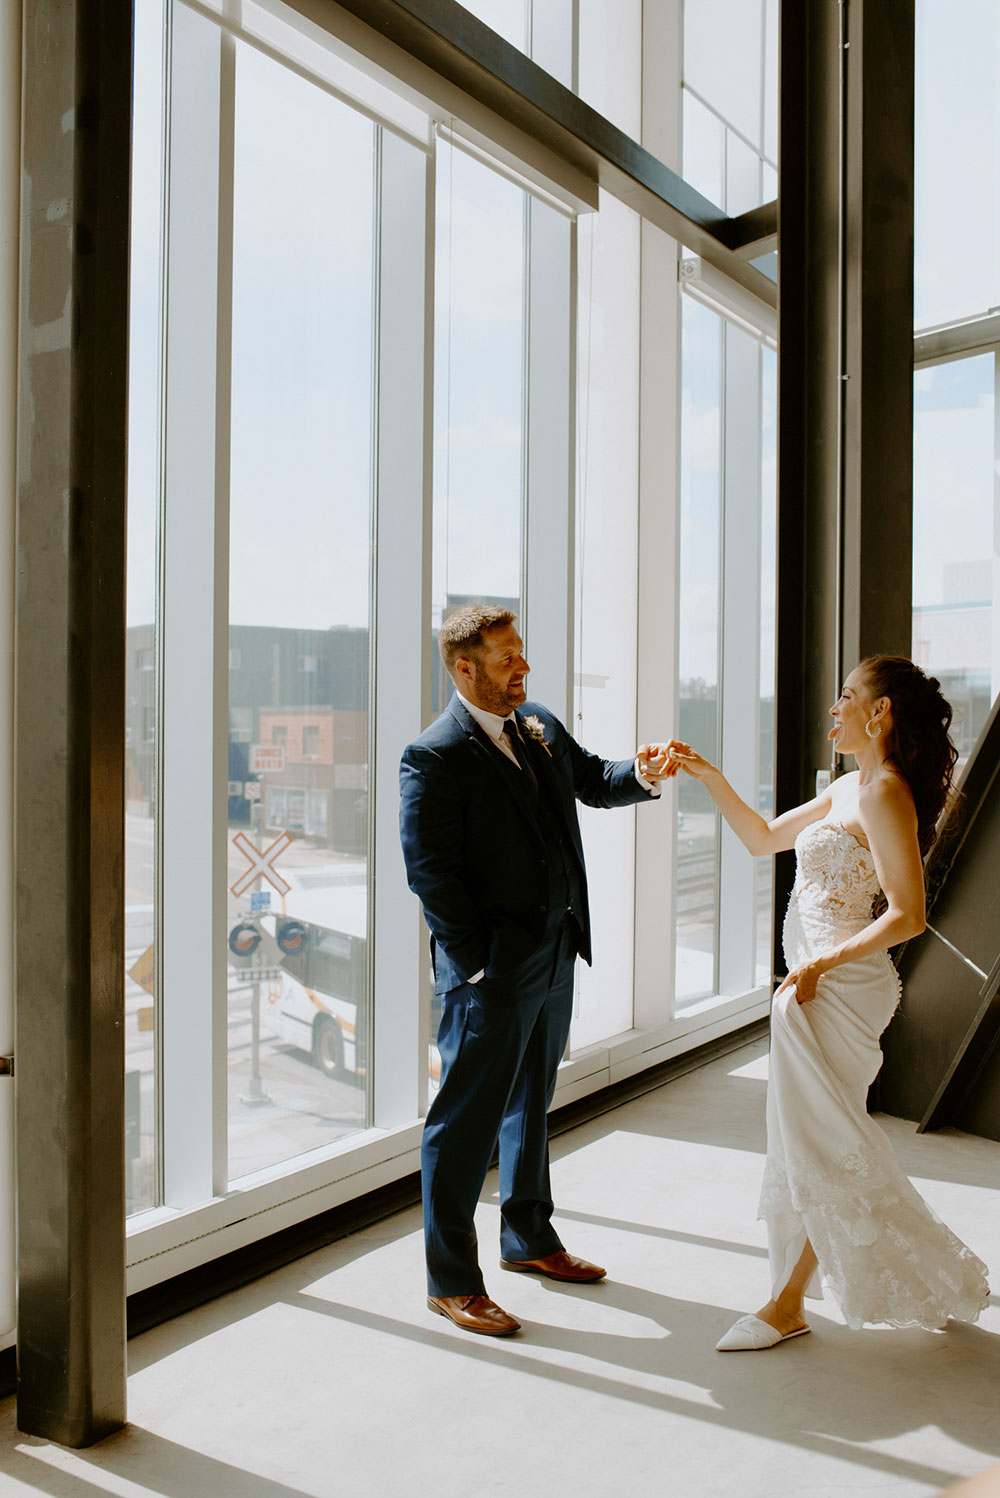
[(70, 718), (845, 367), (878, 436)]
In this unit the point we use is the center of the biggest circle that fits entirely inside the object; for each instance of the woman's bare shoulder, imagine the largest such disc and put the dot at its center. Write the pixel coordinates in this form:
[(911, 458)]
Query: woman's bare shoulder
[(886, 794), (844, 790)]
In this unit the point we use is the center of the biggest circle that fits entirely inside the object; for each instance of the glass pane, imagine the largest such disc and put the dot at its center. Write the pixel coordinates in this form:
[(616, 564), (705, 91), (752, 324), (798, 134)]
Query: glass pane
[(478, 403), (771, 80), (698, 661), (300, 526), (141, 752), (767, 265), (764, 867), (957, 160), (508, 18), (281, 30), (607, 544), (609, 69), (704, 147), (955, 541), (478, 393), (723, 60), (742, 176)]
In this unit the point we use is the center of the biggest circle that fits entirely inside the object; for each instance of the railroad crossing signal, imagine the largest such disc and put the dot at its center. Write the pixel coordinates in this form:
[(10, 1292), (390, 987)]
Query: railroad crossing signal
[(261, 864), (143, 970)]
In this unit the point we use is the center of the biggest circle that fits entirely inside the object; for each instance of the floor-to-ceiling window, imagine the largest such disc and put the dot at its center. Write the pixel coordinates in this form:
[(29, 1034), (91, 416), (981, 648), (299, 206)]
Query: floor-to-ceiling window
[(956, 517), (300, 483), (480, 226), (379, 369), (727, 509), (608, 269), (730, 101), (954, 481), (479, 306), (699, 654), (142, 1156), (250, 598), (766, 727)]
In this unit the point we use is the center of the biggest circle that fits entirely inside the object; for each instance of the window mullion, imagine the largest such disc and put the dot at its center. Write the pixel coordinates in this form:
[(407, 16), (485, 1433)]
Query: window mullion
[(404, 501), (740, 698), (193, 944)]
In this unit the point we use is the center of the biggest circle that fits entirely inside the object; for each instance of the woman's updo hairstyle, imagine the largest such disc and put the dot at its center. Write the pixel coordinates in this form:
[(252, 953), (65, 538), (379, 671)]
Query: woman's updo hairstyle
[(919, 743)]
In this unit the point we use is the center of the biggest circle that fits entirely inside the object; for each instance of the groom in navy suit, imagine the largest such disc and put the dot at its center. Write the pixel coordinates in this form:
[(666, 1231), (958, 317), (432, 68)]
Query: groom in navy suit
[(492, 847)]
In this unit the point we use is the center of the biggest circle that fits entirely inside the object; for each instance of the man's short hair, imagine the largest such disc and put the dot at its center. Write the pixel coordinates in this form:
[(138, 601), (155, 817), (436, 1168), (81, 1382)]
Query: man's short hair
[(462, 632)]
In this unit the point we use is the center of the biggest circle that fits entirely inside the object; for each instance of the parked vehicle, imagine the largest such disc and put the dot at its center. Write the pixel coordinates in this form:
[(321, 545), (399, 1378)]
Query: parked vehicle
[(315, 962), (321, 1002)]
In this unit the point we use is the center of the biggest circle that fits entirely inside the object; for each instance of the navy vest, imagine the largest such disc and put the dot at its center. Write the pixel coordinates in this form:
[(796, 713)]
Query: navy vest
[(565, 884)]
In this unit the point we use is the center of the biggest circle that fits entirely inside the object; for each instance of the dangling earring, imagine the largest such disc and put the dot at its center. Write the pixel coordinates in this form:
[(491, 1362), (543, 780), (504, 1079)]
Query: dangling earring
[(873, 733)]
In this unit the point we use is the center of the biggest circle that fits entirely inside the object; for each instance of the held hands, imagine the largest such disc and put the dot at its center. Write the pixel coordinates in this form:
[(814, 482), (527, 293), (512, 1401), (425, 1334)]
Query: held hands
[(654, 762), (662, 761)]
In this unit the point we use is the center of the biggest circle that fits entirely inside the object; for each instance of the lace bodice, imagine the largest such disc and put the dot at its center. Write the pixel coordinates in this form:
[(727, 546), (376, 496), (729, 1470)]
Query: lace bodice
[(835, 884)]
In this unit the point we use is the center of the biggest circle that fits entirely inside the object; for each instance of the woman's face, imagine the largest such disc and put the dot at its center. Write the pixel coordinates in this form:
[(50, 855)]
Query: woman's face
[(851, 711)]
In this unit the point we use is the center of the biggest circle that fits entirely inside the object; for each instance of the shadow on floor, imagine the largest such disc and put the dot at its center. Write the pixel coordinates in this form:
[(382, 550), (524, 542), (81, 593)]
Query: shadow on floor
[(836, 1394), (672, 1235), (736, 1122), (825, 1394), (208, 1318), (155, 1465)]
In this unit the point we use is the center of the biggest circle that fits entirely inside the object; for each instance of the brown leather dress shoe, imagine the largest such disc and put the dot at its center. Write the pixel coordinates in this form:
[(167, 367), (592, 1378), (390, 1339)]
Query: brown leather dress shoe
[(557, 1266), (474, 1313)]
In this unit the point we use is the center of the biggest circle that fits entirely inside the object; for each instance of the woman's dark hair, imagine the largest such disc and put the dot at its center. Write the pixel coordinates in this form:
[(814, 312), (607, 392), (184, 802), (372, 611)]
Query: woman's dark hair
[(919, 745)]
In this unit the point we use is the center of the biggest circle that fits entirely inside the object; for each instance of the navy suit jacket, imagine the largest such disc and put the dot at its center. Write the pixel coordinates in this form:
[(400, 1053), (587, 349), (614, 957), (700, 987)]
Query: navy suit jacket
[(474, 851)]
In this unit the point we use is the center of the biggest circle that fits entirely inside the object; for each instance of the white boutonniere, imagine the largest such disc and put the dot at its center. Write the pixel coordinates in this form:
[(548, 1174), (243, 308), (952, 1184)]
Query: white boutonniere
[(535, 729)]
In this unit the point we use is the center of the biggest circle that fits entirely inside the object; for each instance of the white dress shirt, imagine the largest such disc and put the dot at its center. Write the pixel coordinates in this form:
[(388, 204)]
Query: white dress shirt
[(492, 724)]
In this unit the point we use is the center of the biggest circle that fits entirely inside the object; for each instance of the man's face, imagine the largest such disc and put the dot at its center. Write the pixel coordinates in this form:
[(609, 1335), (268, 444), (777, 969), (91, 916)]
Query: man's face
[(496, 681)]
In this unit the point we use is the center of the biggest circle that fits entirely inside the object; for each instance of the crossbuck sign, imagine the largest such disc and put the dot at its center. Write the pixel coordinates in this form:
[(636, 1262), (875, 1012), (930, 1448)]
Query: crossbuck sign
[(261, 864)]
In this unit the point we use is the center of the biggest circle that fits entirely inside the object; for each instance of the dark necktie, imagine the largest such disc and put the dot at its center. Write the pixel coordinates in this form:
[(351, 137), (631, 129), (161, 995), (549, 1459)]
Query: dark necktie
[(520, 752)]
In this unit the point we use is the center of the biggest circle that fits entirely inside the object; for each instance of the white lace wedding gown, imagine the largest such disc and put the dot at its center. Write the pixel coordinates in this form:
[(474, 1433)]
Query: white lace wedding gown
[(831, 1173)]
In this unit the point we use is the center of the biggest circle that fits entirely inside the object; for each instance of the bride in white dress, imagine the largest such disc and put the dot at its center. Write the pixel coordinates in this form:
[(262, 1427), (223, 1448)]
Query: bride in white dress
[(835, 1200)]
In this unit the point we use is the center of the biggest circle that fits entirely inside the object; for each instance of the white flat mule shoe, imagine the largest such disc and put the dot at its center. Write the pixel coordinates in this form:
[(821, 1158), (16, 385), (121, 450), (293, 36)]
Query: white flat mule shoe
[(750, 1334)]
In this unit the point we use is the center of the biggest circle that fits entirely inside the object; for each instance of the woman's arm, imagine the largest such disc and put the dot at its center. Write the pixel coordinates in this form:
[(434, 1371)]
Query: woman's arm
[(889, 820), (754, 833)]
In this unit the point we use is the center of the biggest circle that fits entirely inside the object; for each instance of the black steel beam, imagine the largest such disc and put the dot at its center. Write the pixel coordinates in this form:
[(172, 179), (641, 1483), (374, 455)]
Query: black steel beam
[(754, 232), (845, 382), (453, 59), (972, 1056), (878, 308), (69, 718), (940, 1047), (808, 395)]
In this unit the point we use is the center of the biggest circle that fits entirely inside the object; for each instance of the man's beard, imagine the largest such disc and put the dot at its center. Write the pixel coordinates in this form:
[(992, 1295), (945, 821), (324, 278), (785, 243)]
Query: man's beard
[(496, 699)]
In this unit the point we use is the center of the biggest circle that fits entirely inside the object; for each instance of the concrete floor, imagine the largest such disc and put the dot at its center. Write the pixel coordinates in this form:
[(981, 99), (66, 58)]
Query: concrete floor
[(331, 1378)]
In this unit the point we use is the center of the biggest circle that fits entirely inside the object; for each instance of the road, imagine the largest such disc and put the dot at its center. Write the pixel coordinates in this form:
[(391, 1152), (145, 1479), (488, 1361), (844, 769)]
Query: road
[(303, 1108)]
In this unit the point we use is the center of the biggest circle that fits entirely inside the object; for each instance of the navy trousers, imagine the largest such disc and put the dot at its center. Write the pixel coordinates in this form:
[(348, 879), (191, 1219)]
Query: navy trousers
[(501, 1042)]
